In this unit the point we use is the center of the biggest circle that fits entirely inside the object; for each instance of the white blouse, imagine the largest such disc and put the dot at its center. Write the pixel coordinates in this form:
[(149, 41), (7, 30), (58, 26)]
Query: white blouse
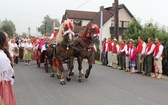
[(6, 70)]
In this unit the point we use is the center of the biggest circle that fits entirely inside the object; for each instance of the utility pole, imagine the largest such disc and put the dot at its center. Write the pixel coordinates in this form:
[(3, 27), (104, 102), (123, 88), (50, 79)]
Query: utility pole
[(101, 25), (116, 19)]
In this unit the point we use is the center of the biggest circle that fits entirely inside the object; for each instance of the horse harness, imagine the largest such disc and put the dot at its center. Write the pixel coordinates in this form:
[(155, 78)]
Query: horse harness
[(86, 47)]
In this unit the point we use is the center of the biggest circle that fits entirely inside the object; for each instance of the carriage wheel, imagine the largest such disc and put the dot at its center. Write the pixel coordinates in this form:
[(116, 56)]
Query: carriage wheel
[(46, 65), (38, 64), (38, 59)]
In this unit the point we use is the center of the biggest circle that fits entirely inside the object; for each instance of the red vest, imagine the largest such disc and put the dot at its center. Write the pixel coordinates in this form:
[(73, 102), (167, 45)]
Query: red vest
[(156, 50), (109, 46), (139, 47), (122, 47), (148, 47), (104, 46), (114, 48), (55, 34), (129, 47)]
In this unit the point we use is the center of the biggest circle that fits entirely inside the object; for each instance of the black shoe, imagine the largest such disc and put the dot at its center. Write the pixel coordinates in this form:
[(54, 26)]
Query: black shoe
[(138, 72), (121, 69), (149, 75)]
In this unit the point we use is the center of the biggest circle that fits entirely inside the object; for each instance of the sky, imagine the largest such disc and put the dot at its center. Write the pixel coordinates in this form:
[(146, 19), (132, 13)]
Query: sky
[(30, 13)]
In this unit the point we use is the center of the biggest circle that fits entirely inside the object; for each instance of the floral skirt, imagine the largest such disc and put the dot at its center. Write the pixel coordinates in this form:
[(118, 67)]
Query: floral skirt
[(6, 93)]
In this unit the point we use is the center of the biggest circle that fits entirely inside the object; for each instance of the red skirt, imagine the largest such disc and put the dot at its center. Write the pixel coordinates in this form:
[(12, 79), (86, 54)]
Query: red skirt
[(6, 93), (21, 50)]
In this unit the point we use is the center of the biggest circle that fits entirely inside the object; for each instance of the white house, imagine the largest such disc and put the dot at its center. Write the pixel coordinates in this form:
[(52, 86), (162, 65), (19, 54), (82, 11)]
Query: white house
[(82, 18)]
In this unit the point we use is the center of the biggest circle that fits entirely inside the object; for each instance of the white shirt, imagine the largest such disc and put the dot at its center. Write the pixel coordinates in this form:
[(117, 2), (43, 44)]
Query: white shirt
[(52, 35), (6, 70), (106, 47), (143, 48), (27, 45), (118, 48), (151, 50), (160, 52), (22, 44), (11, 48), (124, 49)]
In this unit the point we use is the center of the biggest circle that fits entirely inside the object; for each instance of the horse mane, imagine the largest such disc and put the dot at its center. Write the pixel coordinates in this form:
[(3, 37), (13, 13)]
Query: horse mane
[(85, 31), (60, 38)]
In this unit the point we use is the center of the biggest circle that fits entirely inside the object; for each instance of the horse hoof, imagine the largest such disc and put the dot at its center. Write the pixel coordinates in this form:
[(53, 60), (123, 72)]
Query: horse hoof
[(72, 74), (86, 75), (63, 83), (58, 76), (80, 80), (68, 79), (51, 75)]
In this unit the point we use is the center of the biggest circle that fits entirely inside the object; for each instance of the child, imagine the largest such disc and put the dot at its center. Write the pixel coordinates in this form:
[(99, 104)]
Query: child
[(133, 55), (6, 73)]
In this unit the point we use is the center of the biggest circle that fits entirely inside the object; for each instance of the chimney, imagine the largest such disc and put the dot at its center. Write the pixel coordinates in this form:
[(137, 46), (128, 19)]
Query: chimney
[(101, 8)]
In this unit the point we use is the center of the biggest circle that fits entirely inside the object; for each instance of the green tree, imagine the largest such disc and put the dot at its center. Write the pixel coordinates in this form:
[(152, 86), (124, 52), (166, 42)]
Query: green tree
[(8, 27), (134, 29), (47, 25), (149, 29)]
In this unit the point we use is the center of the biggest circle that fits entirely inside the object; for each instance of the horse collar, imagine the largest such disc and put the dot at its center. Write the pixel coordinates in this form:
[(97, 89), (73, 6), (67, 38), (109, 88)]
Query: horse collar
[(85, 45)]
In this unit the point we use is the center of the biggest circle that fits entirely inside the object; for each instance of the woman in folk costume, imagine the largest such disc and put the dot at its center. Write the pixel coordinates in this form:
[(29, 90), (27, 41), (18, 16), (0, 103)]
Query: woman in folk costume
[(133, 57), (13, 50), (21, 49), (27, 52), (6, 73)]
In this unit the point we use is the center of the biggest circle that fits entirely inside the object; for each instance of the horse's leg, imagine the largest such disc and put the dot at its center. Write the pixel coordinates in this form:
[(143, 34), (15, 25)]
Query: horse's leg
[(70, 69), (58, 74), (90, 67), (79, 59), (61, 68), (51, 68)]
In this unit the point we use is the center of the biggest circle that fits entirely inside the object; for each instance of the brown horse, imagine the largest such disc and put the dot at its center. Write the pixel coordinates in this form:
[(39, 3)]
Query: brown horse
[(64, 51), (83, 48)]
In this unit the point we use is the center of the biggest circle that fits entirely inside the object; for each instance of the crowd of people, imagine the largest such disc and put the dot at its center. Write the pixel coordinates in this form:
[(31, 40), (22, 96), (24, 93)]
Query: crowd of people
[(17, 49), (144, 56)]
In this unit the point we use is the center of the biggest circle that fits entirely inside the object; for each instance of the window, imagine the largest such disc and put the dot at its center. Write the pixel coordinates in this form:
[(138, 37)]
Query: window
[(77, 22), (121, 24), (112, 23), (125, 24)]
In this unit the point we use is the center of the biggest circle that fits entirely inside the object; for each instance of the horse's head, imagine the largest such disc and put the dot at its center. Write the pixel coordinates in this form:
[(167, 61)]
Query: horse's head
[(93, 32), (67, 30)]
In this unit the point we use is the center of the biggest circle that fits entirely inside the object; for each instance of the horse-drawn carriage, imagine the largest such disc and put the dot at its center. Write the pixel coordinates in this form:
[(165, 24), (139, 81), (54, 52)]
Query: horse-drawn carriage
[(67, 48), (42, 56)]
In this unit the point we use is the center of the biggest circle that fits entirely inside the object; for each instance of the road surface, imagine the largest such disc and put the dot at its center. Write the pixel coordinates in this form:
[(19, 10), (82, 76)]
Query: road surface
[(105, 86)]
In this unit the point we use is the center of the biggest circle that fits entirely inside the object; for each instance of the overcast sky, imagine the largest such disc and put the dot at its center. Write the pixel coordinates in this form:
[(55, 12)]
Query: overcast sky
[(30, 13)]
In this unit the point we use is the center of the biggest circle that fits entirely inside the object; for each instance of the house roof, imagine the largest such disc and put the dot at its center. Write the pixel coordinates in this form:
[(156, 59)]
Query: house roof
[(94, 17), (111, 9), (106, 16), (75, 14)]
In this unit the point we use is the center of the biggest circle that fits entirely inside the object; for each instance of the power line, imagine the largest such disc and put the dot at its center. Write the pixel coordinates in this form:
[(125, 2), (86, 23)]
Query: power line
[(82, 4)]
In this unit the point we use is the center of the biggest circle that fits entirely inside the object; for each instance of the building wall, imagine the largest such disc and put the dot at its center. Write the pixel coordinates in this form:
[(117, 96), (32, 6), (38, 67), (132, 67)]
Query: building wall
[(85, 22), (106, 29), (123, 15)]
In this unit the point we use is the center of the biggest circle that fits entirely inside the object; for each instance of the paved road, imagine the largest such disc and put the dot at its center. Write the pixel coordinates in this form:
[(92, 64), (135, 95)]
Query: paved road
[(105, 86)]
